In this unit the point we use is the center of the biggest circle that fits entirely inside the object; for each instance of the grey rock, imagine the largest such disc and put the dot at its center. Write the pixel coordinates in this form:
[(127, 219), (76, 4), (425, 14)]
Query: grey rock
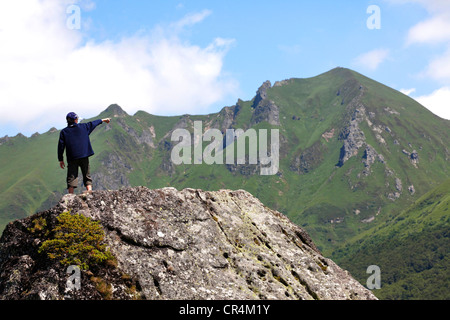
[(268, 111), (398, 185), (282, 83), (369, 158), (351, 134), (265, 109), (146, 137), (414, 157), (353, 137), (112, 173), (227, 117), (4, 139), (261, 94), (188, 244), (394, 195), (371, 155)]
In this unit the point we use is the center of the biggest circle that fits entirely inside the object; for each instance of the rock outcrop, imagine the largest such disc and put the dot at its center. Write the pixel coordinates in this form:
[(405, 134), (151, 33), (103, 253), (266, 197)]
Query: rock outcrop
[(264, 108), (352, 135), (261, 94), (174, 245)]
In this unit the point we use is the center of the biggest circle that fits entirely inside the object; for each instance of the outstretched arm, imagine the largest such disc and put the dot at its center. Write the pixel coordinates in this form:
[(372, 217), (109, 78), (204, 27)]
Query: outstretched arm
[(93, 124)]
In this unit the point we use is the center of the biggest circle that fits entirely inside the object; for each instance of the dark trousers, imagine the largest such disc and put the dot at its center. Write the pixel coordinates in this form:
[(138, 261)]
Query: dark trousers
[(72, 172)]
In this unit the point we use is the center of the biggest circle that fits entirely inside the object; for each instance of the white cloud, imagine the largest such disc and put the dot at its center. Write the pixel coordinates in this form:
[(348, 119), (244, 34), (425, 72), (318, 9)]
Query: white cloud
[(439, 68), (192, 18), (371, 60), (408, 91), (47, 71), (431, 31), (434, 32), (433, 6), (437, 102)]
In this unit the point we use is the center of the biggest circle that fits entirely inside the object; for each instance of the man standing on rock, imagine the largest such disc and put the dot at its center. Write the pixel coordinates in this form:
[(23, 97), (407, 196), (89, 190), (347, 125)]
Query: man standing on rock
[(75, 140)]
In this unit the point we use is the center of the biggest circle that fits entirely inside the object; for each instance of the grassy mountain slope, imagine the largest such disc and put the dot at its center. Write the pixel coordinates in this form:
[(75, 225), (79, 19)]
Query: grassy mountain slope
[(412, 250), (353, 155), (324, 192), (28, 174)]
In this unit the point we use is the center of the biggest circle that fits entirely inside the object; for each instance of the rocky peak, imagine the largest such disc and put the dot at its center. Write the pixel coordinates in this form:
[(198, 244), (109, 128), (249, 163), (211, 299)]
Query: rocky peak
[(4, 139), (170, 244), (265, 109), (261, 94), (115, 110)]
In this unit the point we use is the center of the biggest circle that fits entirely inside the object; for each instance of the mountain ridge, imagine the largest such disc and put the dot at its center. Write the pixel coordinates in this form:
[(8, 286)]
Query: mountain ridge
[(354, 154), (117, 110)]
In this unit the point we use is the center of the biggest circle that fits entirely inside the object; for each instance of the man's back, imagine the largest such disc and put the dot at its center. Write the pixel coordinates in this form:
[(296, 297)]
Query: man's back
[(75, 139)]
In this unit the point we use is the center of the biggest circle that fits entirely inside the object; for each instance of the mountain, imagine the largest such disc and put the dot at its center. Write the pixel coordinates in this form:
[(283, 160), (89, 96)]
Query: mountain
[(353, 154), (166, 244)]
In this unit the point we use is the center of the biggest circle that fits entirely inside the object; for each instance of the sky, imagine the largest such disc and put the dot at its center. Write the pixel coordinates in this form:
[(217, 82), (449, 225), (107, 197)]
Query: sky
[(173, 57)]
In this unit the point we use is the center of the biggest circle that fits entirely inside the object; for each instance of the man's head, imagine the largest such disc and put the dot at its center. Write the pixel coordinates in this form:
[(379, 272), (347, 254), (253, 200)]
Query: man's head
[(71, 117)]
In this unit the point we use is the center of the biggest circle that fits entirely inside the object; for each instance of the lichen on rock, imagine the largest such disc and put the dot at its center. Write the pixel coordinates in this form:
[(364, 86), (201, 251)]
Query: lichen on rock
[(178, 245)]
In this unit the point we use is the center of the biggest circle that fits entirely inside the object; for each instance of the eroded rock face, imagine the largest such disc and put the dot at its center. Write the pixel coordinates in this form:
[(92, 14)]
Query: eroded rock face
[(187, 244), (352, 136), (265, 109)]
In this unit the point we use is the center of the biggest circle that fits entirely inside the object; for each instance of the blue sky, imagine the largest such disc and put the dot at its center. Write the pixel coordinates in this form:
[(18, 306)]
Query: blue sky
[(176, 57)]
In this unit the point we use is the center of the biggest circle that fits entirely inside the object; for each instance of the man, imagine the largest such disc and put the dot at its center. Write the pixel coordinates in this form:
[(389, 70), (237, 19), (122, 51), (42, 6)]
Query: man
[(75, 140)]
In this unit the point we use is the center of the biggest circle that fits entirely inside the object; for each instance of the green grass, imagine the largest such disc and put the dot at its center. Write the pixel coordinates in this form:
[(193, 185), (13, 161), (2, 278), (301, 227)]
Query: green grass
[(411, 249)]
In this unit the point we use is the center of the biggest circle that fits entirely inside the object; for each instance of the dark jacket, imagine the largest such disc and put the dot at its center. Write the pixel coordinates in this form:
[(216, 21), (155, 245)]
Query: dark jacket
[(75, 140)]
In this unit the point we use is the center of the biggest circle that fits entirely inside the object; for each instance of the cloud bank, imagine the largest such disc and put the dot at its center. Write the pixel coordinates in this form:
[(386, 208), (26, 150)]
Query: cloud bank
[(47, 69), (433, 32), (437, 102)]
